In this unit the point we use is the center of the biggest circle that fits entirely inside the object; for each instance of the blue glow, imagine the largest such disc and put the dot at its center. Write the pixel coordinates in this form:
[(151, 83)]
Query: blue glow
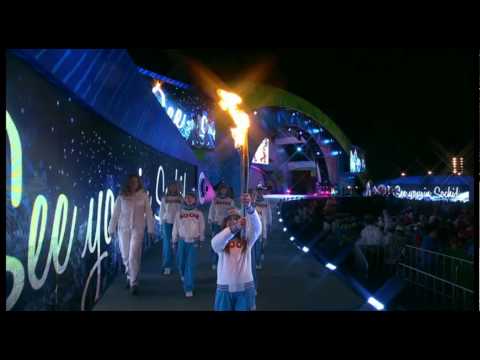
[(315, 131), (305, 249), (376, 304), (328, 141), (335, 153), (299, 149), (331, 267)]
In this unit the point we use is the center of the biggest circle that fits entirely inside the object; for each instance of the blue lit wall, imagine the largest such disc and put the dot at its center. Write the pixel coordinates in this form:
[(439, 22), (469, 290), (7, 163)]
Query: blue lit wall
[(64, 167), (107, 81)]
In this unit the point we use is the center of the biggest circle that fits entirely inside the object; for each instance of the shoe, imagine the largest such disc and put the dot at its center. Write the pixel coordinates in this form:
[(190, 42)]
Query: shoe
[(166, 271), (214, 267), (134, 290), (189, 294)]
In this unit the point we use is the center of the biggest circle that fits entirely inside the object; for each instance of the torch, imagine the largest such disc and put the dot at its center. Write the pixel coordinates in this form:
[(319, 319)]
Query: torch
[(229, 102)]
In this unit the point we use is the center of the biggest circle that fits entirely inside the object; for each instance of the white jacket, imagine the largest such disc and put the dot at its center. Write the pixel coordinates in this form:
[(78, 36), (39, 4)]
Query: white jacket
[(169, 208), (265, 212), (189, 225), (132, 212), (371, 235), (219, 210), (234, 270)]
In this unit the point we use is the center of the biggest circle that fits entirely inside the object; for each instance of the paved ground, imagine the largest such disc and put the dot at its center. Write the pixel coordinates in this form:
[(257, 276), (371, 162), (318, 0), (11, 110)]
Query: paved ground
[(290, 281)]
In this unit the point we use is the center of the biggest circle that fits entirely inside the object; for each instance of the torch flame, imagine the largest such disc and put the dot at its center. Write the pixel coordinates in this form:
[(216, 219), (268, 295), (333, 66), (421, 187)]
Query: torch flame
[(229, 102)]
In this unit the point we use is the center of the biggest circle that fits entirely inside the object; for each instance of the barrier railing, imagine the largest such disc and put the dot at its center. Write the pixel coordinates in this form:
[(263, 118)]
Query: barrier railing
[(440, 279)]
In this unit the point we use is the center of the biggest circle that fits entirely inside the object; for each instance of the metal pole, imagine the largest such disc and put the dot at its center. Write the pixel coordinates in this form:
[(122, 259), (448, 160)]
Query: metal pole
[(245, 167)]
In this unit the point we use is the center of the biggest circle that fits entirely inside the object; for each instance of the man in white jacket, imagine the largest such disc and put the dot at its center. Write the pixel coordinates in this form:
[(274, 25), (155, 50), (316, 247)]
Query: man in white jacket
[(265, 212), (131, 213), (216, 215), (235, 285), (169, 208), (189, 233)]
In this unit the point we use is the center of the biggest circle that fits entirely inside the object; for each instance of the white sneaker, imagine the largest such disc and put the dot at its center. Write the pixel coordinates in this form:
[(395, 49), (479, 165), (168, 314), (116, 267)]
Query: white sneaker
[(214, 267), (166, 271), (189, 294)]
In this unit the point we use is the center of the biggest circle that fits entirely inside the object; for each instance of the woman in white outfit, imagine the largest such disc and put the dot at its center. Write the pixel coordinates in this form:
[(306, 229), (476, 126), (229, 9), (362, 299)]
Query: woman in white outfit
[(132, 212)]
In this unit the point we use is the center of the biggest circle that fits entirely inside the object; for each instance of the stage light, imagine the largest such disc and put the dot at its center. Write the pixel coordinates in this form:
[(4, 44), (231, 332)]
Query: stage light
[(292, 238), (305, 249), (331, 267), (301, 133), (318, 153), (284, 229), (430, 173), (335, 153), (278, 213), (376, 304), (140, 172), (280, 220), (403, 174)]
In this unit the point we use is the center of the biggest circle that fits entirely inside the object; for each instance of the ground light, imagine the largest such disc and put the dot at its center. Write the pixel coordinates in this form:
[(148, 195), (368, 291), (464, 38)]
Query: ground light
[(331, 267), (305, 249), (280, 220), (284, 229), (292, 238), (376, 304)]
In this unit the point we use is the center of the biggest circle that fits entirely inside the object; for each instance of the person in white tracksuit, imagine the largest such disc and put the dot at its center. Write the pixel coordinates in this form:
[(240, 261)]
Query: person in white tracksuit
[(216, 215), (189, 233), (235, 283), (132, 212), (169, 208), (265, 212)]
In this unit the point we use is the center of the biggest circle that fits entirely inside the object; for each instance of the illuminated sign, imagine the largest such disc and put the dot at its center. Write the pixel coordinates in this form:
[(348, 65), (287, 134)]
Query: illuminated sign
[(60, 197), (448, 194), (262, 154), (188, 114)]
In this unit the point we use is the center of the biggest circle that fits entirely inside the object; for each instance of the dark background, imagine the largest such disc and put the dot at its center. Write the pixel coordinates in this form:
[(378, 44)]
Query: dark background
[(409, 109)]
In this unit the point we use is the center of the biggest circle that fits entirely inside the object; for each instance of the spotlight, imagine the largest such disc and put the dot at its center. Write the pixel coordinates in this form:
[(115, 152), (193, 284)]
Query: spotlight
[(331, 267), (376, 304), (305, 249), (284, 229), (292, 238)]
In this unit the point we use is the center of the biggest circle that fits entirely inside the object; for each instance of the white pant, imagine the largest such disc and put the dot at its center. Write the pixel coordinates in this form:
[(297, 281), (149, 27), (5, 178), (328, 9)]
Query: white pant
[(131, 243)]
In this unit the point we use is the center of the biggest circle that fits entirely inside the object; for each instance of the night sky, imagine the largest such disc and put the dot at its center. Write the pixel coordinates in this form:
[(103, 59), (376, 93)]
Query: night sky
[(407, 108)]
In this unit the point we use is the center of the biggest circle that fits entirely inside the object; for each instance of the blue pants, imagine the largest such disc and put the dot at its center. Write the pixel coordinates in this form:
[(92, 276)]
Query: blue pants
[(167, 257), (239, 301), (213, 255), (187, 263)]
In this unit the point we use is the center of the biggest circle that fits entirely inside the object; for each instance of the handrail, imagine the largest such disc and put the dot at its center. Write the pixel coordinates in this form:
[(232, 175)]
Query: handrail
[(436, 277), (440, 254)]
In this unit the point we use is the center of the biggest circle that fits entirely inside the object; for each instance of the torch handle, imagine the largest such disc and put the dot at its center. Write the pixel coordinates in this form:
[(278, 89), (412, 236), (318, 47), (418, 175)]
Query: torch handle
[(244, 180)]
